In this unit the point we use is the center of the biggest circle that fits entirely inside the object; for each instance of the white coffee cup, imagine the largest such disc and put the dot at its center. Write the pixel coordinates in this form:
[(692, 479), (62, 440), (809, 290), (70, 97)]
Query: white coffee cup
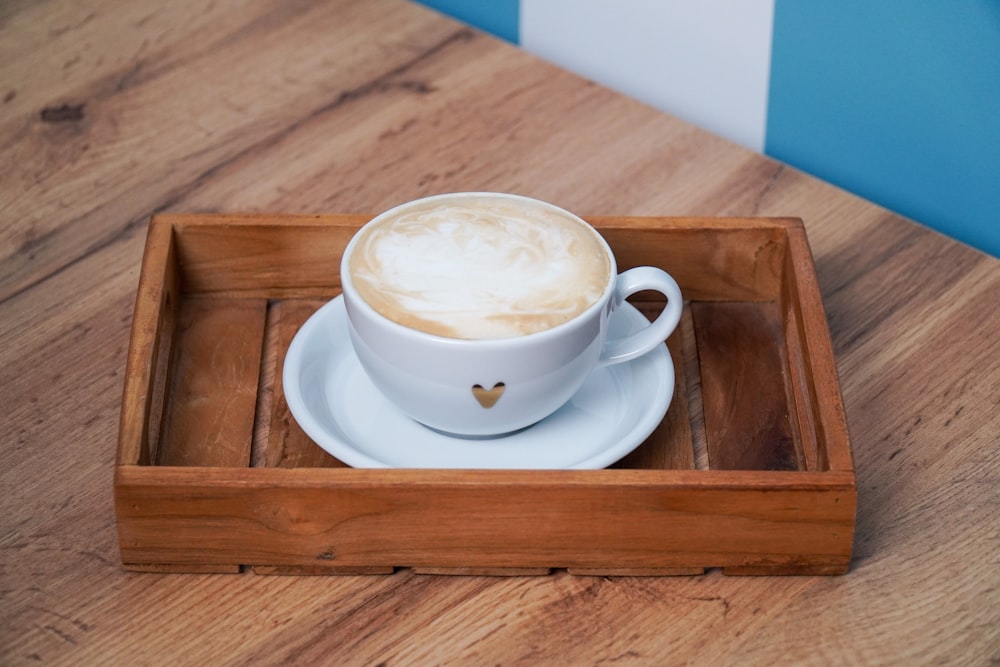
[(479, 314)]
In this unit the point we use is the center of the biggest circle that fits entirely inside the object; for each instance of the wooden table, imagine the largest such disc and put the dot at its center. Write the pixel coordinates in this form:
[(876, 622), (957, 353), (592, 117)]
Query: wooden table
[(113, 111)]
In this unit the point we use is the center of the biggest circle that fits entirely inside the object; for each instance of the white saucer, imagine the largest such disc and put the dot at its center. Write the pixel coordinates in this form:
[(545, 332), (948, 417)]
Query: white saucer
[(338, 407)]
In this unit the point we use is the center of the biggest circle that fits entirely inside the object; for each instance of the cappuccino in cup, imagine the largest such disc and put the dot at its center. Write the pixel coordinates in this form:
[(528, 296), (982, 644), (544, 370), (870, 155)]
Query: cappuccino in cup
[(479, 314), (479, 267)]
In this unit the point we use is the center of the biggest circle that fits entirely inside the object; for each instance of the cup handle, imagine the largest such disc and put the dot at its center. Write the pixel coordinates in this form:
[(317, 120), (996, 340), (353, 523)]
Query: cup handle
[(617, 350)]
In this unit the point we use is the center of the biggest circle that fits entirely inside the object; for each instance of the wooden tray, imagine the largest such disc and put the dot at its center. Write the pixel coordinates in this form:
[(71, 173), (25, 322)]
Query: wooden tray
[(751, 469)]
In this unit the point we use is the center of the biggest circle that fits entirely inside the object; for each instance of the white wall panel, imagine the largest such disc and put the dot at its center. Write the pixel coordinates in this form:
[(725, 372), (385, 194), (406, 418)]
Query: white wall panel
[(706, 61)]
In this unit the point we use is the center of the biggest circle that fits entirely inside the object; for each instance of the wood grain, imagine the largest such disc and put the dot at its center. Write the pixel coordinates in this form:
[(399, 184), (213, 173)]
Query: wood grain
[(352, 106), (212, 394), (284, 442), (154, 323), (744, 387), (608, 519), (670, 446), (743, 379)]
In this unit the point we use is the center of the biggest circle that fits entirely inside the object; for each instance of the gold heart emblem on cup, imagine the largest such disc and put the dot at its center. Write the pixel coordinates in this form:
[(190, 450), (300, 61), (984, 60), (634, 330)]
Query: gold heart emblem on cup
[(488, 397)]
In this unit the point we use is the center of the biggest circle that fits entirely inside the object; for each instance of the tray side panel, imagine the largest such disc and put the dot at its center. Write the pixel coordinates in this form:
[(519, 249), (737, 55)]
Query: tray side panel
[(281, 256), (802, 390), (149, 360), (261, 256), (821, 402), (272, 521), (212, 395), (747, 417), (711, 260)]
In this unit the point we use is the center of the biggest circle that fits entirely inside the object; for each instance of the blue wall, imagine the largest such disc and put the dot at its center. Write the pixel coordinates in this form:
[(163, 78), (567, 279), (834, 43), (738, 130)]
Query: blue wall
[(897, 101), (499, 17)]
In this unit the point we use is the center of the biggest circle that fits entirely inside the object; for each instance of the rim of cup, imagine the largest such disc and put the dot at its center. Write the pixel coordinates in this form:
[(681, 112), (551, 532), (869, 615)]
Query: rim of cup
[(578, 320)]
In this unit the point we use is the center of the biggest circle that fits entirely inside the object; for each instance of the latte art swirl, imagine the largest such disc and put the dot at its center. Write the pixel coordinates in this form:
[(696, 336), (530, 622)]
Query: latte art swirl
[(477, 267)]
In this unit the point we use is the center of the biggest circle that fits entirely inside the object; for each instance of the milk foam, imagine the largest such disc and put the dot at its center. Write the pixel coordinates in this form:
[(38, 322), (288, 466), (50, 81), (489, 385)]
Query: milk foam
[(479, 267)]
